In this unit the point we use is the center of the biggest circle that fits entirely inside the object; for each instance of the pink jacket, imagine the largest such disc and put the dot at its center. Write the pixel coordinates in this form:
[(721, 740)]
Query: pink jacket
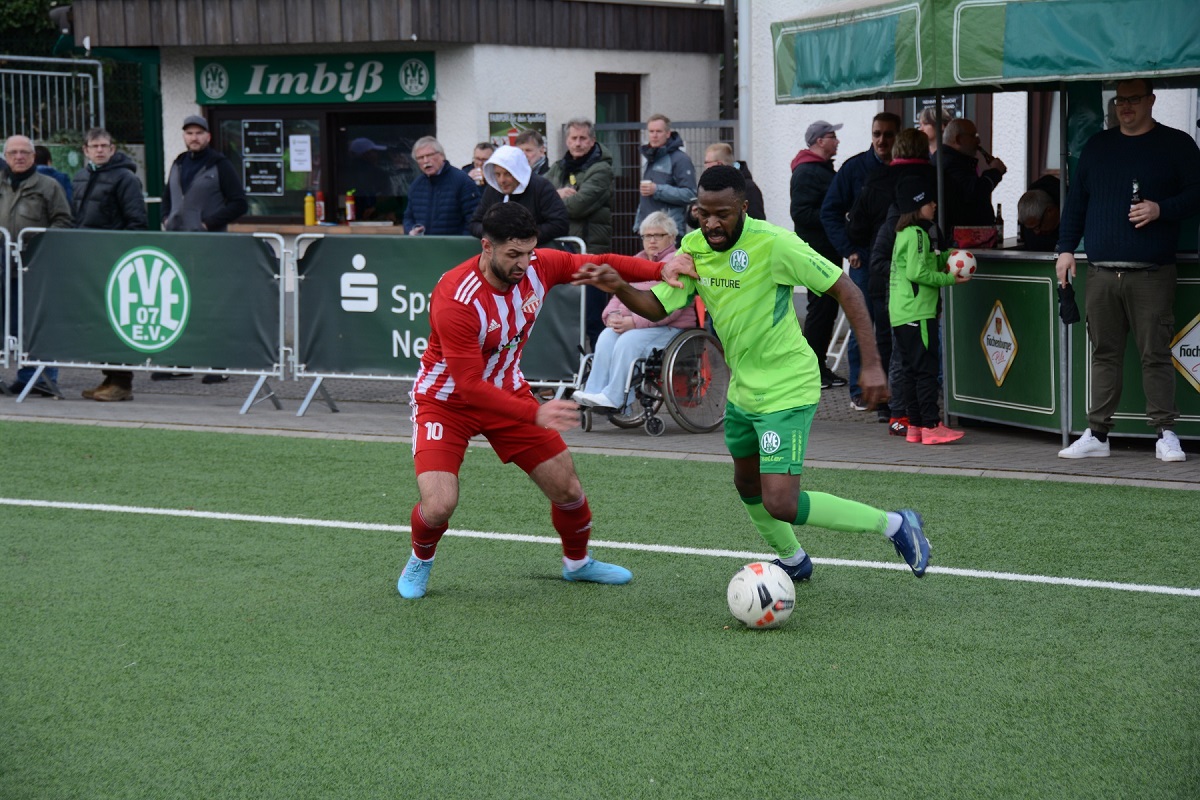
[(683, 318)]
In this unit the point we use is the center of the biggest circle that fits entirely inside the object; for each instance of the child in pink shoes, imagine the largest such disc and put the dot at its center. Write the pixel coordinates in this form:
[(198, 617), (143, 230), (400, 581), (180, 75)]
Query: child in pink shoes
[(913, 293)]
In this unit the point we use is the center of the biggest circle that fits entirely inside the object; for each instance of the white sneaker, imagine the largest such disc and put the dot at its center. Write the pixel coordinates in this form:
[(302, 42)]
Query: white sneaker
[(1168, 449), (596, 400), (1086, 446)]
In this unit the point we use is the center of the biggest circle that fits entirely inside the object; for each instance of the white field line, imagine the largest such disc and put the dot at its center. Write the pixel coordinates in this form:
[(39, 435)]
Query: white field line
[(645, 548)]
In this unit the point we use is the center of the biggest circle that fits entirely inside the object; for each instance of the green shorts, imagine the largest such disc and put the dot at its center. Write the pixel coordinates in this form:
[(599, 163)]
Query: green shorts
[(779, 438)]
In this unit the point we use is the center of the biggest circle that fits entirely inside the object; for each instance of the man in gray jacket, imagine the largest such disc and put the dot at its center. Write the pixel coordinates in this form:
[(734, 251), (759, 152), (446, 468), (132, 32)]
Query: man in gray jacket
[(204, 192), (669, 179)]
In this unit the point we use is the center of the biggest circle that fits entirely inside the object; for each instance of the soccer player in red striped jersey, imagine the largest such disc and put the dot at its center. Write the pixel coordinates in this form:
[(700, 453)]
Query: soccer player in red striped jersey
[(470, 383)]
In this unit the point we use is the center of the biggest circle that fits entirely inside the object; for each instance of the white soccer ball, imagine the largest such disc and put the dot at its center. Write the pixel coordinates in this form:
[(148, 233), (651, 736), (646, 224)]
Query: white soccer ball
[(761, 595), (962, 262)]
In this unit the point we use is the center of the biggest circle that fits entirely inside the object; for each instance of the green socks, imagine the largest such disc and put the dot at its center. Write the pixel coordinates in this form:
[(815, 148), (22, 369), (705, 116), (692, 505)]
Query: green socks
[(815, 508), (779, 535), (839, 514)]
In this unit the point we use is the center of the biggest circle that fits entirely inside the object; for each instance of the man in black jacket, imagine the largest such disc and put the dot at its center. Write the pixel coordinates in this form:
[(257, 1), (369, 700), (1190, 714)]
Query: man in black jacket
[(812, 172), (968, 191), (204, 192), (108, 195)]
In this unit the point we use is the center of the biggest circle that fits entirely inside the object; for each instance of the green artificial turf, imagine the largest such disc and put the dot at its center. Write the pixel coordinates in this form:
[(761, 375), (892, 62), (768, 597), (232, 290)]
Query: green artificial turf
[(144, 656)]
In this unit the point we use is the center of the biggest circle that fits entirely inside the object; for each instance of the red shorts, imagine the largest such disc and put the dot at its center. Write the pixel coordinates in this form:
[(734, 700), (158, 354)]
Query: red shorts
[(440, 435)]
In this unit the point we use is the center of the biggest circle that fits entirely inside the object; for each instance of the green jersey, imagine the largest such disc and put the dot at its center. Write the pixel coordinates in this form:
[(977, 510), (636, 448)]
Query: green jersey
[(913, 288), (747, 290)]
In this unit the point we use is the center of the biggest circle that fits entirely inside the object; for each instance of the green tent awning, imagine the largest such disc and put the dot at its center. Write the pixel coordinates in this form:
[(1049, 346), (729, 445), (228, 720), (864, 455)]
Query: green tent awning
[(869, 48)]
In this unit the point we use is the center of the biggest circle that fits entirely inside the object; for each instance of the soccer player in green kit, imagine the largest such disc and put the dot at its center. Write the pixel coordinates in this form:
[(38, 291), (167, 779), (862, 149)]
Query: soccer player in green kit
[(745, 271)]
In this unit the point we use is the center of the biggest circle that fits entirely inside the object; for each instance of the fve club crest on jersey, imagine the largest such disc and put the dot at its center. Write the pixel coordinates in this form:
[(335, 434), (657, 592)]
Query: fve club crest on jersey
[(739, 260)]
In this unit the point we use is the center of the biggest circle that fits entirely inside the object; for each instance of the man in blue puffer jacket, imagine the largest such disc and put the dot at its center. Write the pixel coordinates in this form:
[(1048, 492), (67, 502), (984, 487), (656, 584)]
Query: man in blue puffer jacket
[(669, 179), (442, 199)]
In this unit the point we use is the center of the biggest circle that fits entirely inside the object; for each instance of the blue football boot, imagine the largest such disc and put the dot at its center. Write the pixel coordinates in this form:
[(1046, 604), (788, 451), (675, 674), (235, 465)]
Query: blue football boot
[(414, 578), (910, 541), (598, 572), (799, 572)]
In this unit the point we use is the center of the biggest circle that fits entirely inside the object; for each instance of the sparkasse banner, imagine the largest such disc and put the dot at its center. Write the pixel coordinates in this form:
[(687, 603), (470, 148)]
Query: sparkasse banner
[(327, 78)]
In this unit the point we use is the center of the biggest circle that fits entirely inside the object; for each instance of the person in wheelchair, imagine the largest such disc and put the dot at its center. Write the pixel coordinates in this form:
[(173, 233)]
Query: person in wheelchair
[(626, 336)]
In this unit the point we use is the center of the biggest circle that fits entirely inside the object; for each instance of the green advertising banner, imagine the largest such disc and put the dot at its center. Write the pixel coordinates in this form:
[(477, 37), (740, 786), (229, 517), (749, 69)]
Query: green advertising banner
[(151, 300), (325, 78), (363, 308)]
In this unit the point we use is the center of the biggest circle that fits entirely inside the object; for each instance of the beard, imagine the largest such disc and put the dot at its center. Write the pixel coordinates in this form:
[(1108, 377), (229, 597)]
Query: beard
[(728, 243)]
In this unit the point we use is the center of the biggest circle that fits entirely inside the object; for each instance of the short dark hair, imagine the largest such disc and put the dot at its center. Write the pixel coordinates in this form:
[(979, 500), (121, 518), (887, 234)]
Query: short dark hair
[(486, 146), (97, 133), (41, 154), (1149, 84), (505, 221), (888, 116), (721, 177), (529, 136)]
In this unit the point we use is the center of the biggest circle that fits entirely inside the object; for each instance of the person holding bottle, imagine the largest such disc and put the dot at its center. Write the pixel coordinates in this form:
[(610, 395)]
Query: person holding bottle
[(1131, 274)]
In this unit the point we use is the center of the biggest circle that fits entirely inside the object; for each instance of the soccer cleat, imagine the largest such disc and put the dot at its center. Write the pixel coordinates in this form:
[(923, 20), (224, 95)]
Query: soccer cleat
[(414, 578), (598, 572), (799, 572), (910, 541), (913, 434), (940, 434), (898, 426), (1087, 446), (1168, 448)]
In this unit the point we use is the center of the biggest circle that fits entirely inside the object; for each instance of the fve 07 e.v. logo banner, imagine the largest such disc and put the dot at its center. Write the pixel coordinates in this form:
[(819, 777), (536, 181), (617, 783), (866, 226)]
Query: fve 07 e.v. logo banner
[(148, 299)]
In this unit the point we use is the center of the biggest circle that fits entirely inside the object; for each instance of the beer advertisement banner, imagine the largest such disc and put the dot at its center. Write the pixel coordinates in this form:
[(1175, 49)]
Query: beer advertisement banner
[(364, 308), (140, 299)]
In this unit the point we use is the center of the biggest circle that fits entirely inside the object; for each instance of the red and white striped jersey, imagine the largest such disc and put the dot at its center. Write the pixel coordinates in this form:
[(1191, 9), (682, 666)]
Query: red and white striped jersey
[(477, 332)]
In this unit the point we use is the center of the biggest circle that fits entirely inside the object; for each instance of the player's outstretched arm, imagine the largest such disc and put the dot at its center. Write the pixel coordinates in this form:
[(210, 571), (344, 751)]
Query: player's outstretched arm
[(871, 379), (642, 302)]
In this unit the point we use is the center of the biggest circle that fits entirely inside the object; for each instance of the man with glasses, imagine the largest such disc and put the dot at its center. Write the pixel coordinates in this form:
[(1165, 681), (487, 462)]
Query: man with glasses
[(29, 199), (109, 196), (441, 199), (843, 191), (1131, 273), (812, 174)]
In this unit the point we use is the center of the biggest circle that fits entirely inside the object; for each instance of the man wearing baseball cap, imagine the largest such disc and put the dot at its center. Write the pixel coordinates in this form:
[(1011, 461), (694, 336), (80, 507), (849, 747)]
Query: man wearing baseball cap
[(812, 172), (204, 192), (365, 175)]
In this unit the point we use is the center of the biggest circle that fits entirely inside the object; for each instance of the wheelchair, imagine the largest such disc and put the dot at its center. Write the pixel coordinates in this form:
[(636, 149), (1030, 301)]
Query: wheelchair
[(689, 376)]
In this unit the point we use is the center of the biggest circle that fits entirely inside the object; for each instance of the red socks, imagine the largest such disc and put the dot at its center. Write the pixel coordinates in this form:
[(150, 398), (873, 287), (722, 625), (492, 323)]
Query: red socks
[(424, 538), (574, 525)]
